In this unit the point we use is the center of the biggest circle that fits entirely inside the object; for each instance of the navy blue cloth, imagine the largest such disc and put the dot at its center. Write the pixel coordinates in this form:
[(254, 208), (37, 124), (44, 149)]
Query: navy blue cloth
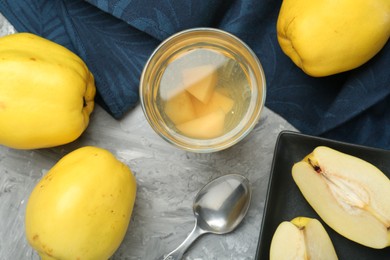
[(116, 37)]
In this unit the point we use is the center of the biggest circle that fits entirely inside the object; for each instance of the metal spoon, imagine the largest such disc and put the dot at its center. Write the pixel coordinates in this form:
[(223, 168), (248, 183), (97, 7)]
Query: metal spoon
[(218, 208)]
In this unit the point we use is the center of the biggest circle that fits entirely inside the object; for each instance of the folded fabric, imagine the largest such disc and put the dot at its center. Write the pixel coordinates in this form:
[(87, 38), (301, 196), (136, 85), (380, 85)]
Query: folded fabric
[(116, 37)]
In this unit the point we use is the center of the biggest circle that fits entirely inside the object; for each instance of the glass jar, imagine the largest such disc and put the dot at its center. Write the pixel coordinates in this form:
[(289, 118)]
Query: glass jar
[(203, 90)]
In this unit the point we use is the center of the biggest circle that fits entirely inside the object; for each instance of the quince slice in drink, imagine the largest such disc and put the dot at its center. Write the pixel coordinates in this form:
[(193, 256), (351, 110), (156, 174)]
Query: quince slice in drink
[(179, 108), (200, 81), (351, 195), (216, 101), (205, 127)]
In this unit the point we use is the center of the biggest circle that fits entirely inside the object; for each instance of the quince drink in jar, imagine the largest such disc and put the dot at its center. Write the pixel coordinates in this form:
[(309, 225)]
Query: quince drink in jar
[(203, 94), (207, 92)]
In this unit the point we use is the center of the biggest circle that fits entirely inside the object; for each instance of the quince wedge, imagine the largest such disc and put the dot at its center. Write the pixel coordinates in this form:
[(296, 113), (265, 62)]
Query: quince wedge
[(300, 239), (325, 37), (200, 81), (217, 101), (46, 93), (204, 127), (82, 207), (179, 108), (349, 194)]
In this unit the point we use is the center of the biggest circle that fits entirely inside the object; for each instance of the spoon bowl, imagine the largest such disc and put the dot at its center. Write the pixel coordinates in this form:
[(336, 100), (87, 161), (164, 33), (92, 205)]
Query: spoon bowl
[(219, 207)]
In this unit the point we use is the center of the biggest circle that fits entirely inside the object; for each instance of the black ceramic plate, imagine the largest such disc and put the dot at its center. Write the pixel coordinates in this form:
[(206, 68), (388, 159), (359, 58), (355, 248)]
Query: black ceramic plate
[(284, 200)]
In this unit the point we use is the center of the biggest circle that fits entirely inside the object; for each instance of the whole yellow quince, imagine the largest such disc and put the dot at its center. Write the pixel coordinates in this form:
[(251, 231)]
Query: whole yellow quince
[(325, 37), (46, 93), (82, 207)]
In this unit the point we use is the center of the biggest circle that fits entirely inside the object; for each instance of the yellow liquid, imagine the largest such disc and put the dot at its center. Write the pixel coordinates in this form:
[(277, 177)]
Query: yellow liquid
[(230, 79)]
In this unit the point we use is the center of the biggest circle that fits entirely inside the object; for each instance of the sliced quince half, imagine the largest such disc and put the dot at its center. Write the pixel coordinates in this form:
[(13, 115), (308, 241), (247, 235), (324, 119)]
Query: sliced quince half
[(301, 238), (350, 195)]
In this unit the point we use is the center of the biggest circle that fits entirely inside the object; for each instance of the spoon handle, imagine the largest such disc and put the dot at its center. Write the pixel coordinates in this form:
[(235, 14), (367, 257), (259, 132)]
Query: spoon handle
[(177, 254)]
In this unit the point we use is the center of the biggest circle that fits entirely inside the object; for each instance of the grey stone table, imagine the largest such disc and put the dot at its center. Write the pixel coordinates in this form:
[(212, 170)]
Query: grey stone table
[(167, 180)]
